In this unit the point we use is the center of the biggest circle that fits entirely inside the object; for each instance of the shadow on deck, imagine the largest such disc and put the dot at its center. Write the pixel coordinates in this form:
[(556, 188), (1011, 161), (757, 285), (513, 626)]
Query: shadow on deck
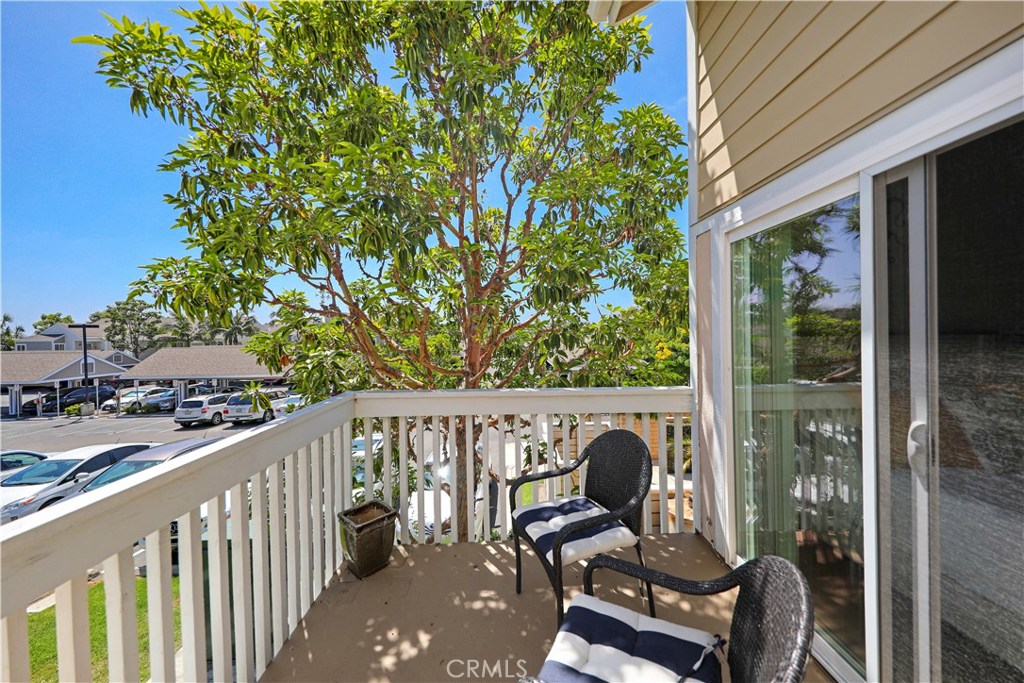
[(436, 609)]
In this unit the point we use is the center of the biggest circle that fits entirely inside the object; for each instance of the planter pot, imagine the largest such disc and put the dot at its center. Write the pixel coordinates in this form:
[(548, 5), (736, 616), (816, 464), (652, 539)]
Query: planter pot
[(367, 536)]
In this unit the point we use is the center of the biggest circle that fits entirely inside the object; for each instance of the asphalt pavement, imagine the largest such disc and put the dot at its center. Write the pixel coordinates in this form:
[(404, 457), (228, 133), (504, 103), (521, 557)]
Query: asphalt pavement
[(54, 434)]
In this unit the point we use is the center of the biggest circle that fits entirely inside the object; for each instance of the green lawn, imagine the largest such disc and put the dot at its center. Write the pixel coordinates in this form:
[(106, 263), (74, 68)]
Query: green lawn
[(42, 635)]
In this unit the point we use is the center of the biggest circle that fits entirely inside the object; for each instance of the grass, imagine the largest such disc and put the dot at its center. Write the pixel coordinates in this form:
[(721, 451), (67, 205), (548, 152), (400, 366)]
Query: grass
[(42, 635)]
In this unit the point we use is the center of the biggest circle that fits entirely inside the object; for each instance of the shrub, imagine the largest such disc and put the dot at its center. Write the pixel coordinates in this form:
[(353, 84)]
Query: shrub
[(132, 409), (290, 408), (150, 408), (73, 410)]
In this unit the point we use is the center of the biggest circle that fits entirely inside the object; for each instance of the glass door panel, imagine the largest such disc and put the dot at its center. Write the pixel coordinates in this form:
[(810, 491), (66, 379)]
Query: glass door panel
[(978, 191), (797, 409), (950, 321)]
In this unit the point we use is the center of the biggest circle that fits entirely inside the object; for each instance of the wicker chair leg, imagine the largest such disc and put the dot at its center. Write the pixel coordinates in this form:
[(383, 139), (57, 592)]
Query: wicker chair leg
[(650, 591), (519, 562)]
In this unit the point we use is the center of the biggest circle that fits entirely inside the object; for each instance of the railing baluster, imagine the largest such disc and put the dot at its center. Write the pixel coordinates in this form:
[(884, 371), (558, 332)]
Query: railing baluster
[(552, 457), (330, 505), (645, 423), (159, 606), (305, 534), (453, 496), (386, 460), (421, 532), (241, 583), (346, 466), (664, 525), (677, 447), (318, 518), (369, 461), (260, 571), (535, 456), (291, 502), (338, 456), (566, 454), (122, 619), (470, 479), (517, 434), (193, 602), (502, 477), (581, 445), (14, 661), (485, 477), (403, 474), (73, 656), (278, 571), (220, 609), (435, 473)]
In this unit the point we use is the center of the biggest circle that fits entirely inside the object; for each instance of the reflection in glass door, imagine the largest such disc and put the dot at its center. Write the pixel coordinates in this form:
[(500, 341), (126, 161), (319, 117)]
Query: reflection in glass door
[(797, 409), (950, 320)]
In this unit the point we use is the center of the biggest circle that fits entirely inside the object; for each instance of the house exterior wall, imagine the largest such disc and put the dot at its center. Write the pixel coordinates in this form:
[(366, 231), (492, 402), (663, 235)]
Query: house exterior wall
[(778, 82), (35, 345)]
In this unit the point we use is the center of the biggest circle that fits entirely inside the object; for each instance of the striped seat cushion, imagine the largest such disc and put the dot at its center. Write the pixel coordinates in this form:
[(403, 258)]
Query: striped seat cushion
[(541, 521), (603, 642)]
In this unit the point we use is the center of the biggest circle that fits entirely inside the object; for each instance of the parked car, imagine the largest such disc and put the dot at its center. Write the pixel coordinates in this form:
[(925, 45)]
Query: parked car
[(130, 395), (49, 481), (165, 400), (29, 407), (140, 461), (240, 409), (79, 396), (201, 409), (13, 461), (293, 400), (133, 398), (201, 389)]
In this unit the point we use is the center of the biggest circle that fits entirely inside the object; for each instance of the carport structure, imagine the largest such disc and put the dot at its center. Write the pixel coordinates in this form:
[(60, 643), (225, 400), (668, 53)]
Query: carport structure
[(20, 369), (182, 365)]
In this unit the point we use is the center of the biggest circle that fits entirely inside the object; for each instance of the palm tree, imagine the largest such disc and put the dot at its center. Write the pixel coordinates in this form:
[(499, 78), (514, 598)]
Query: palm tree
[(240, 326), (182, 332), (9, 332)]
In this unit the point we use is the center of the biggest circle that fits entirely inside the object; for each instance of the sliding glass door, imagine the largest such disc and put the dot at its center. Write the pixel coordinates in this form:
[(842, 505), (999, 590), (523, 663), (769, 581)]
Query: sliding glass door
[(796, 315), (950, 377)]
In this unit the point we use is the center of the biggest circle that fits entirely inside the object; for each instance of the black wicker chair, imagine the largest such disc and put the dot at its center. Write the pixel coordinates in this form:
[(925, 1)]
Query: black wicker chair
[(618, 480), (772, 624)]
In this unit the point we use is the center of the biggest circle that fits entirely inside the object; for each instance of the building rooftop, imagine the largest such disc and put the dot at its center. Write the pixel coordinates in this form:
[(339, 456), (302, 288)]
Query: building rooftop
[(198, 363)]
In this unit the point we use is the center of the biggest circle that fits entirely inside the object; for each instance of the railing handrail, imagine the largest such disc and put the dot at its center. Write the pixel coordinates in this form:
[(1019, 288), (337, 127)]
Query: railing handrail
[(47, 549), (523, 401)]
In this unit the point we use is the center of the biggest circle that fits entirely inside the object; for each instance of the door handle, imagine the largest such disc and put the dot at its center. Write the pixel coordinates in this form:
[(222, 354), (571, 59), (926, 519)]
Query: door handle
[(917, 446)]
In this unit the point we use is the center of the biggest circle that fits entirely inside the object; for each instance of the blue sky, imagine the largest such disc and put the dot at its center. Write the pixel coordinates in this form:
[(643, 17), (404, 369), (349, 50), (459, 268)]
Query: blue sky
[(81, 201)]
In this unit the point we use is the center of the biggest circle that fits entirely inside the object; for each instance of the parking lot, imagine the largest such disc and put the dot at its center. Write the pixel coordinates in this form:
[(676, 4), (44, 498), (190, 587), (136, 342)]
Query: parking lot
[(52, 434)]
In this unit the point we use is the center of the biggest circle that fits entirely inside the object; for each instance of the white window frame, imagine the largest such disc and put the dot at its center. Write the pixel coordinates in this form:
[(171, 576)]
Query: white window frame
[(58, 346), (20, 347), (92, 366), (984, 95)]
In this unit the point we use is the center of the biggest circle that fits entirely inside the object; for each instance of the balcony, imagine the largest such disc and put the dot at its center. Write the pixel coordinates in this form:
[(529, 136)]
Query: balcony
[(296, 614)]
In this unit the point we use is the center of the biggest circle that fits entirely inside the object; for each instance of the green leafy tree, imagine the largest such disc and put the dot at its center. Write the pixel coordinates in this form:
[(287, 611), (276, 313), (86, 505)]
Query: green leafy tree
[(453, 218), (9, 332), (48, 320), (132, 325)]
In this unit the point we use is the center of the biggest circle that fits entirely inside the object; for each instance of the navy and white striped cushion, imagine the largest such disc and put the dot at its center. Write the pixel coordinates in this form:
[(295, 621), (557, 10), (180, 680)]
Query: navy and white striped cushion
[(541, 521), (603, 642)]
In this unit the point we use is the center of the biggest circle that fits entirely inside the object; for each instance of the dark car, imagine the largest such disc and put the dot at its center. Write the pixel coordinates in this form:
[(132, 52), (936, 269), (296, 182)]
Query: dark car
[(81, 395), (50, 397)]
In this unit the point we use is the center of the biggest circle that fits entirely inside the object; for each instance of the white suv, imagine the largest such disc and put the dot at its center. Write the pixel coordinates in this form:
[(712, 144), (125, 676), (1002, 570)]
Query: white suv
[(239, 407), (202, 409)]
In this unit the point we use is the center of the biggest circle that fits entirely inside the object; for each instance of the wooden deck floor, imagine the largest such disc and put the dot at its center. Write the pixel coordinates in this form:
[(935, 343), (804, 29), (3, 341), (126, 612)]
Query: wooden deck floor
[(435, 609)]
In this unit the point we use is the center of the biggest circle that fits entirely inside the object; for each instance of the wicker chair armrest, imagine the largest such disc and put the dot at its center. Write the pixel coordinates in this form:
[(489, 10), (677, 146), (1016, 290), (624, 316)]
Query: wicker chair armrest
[(518, 482), (674, 583)]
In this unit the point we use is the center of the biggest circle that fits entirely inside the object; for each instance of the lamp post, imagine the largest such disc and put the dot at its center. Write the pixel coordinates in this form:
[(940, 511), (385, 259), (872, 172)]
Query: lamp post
[(85, 350)]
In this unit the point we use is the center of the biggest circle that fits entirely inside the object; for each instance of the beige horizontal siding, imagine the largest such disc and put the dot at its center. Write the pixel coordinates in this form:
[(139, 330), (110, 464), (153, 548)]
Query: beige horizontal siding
[(778, 82)]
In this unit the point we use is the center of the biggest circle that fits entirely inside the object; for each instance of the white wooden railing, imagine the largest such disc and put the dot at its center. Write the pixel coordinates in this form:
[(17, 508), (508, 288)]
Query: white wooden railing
[(280, 486)]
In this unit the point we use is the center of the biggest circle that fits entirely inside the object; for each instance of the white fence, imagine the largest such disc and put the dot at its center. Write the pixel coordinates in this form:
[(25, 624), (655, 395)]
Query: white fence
[(280, 486)]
